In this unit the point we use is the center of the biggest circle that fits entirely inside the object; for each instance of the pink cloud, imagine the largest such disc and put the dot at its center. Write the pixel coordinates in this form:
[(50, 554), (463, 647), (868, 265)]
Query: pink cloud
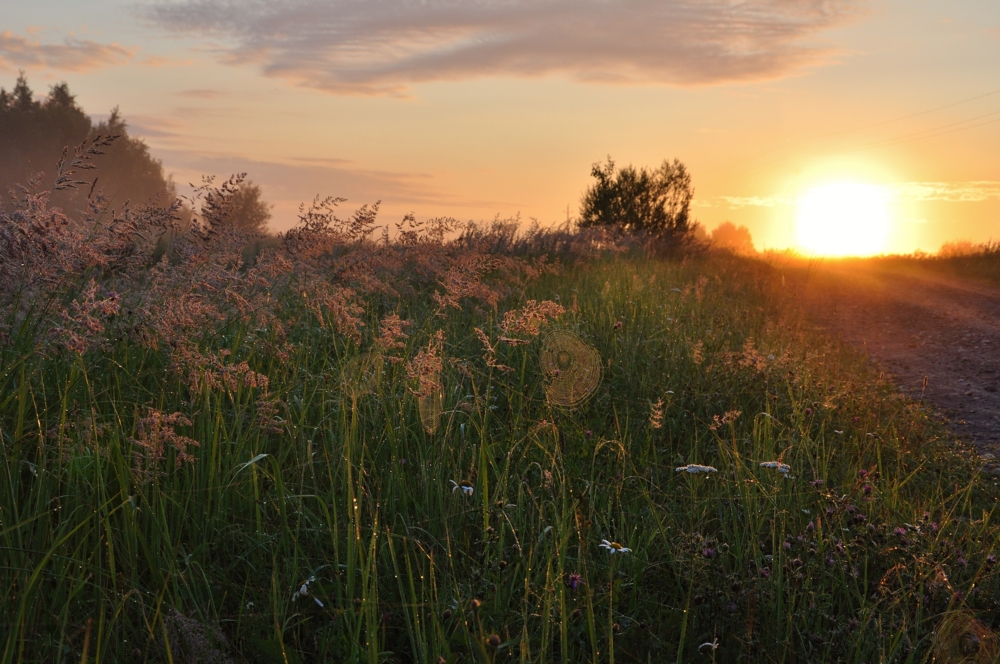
[(75, 55), (385, 46)]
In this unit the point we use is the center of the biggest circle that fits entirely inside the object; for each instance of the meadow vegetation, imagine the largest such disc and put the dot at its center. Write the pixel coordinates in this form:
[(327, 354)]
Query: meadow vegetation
[(454, 443), (962, 260)]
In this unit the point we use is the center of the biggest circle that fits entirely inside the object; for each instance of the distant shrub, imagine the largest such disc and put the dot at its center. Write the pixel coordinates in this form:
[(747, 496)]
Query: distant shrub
[(640, 200), (735, 238)]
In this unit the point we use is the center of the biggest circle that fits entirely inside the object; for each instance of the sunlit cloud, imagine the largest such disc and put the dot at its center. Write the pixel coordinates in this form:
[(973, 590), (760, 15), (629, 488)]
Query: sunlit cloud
[(385, 46), (756, 201), (202, 93), (953, 192), (300, 180), (75, 55), (977, 191)]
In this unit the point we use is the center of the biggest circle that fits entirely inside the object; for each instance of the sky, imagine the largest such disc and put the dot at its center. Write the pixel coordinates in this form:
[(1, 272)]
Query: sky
[(484, 108)]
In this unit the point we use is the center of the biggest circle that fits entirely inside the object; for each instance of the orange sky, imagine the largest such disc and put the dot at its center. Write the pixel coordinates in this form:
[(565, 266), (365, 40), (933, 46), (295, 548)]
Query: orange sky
[(476, 109)]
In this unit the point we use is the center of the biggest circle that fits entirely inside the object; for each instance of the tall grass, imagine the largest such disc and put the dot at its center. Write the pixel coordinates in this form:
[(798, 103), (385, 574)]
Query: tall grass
[(329, 530)]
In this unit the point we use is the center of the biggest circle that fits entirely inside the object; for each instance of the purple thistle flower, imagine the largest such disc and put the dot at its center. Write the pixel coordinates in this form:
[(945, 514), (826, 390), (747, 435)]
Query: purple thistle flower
[(574, 581)]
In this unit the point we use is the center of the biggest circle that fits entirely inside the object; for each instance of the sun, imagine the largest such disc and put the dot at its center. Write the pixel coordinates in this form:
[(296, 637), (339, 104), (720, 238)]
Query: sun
[(843, 219)]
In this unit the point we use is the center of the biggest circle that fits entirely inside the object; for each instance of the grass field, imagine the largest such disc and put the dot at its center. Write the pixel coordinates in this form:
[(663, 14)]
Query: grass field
[(415, 493)]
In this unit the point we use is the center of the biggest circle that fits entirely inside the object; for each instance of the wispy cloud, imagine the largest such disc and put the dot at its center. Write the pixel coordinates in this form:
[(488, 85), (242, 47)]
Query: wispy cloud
[(76, 55), (300, 180), (201, 93), (975, 191), (384, 46)]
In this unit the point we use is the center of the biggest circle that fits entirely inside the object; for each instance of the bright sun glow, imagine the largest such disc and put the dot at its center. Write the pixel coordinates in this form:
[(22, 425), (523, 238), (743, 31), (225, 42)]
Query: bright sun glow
[(843, 219)]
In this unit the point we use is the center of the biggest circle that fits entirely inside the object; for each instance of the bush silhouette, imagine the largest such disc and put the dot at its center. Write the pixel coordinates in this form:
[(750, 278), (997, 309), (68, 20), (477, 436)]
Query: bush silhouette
[(640, 200)]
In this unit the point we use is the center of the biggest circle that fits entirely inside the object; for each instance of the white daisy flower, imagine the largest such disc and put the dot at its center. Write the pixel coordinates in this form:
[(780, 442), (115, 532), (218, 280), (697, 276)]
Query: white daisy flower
[(776, 465), (614, 547), (303, 591), (694, 469), (464, 485)]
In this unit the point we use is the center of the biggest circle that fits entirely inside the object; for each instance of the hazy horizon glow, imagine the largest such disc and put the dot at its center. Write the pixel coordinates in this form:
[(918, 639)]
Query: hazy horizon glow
[(476, 109)]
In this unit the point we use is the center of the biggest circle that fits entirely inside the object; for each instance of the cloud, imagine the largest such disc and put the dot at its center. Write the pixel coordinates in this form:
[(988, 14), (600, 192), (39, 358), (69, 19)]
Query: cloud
[(756, 201), (384, 46), (201, 93), (76, 55), (976, 191)]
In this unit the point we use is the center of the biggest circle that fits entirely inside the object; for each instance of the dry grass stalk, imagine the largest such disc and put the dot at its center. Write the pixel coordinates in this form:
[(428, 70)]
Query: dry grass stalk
[(155, 435), (425, 370), (528, 321)]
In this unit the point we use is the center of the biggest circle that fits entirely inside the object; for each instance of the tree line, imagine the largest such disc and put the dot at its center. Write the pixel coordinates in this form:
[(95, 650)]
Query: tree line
[(34, 133)]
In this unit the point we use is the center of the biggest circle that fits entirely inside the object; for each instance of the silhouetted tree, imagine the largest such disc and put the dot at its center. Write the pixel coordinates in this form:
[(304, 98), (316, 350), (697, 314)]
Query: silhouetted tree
[(733, 237), (34, 133), (656, 201)]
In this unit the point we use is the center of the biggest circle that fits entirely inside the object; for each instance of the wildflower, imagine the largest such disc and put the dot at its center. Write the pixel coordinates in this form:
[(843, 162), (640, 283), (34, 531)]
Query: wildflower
[(777, 465), (708, 552), (588, 433), (867, 489), (991, 560), (694, 469), (809, 411), (899, 531), (614, 547), (862, 473), (303, 591), (464, 485), (817, 483), (618, 325), (765, 573), (787, 546), (574, 581)]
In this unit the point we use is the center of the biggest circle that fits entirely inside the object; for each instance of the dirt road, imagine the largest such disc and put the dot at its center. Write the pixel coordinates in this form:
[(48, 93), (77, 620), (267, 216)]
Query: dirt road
[(917, 325)]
